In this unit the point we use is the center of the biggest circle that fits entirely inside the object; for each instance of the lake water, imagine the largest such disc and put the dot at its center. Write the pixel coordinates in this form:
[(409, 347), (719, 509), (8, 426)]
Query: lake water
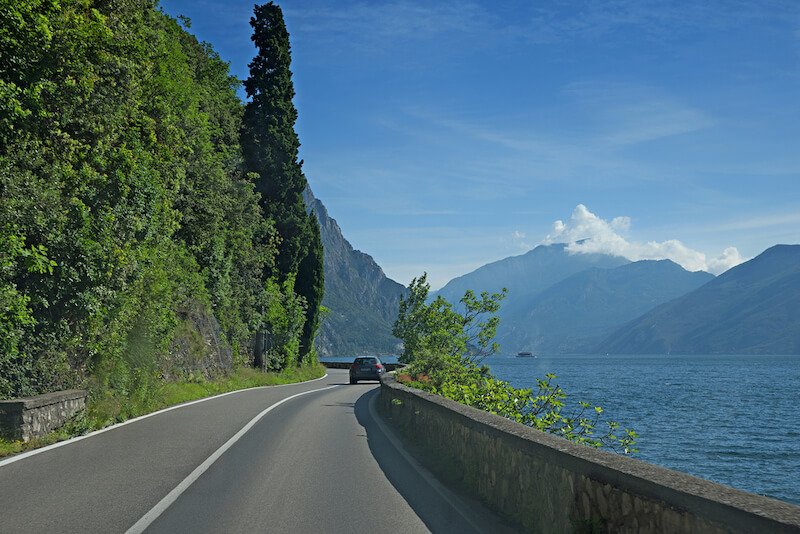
[(730, 419)]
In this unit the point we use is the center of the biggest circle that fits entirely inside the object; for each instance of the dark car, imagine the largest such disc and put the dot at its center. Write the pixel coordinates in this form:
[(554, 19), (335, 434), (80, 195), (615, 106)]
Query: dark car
[(366, 368)]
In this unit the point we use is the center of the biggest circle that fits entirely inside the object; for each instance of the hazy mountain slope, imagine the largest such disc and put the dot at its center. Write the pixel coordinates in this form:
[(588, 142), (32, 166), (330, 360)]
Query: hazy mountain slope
[(362, 300), (575, 314), (527, 274), (753, 308)]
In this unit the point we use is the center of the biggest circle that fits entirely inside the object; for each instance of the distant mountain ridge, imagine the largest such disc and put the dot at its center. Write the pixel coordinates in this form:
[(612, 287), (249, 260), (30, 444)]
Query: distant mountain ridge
[(753, 308), (363, 302), (575, 314), (528, 273), (562, 302)]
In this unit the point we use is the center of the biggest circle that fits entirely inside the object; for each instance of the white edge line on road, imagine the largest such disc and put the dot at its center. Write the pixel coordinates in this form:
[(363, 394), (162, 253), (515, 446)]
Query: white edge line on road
[(173, 495), (22, 456), (453, 500)]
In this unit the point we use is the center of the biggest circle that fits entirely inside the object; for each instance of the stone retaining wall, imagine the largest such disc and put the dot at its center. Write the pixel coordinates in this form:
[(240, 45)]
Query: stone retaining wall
[(544, 483), (25, 418)]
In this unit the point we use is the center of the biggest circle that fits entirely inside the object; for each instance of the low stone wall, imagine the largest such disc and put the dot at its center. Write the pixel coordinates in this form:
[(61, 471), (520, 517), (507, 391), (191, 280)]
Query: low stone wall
[(28, 417), (544, 483)]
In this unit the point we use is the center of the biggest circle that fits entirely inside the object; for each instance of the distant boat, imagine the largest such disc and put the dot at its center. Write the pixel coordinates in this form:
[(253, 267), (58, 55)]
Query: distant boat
[(525, 355)]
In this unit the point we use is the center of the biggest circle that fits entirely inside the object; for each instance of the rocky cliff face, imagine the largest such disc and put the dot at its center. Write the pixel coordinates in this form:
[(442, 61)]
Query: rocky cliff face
[(363, 302)]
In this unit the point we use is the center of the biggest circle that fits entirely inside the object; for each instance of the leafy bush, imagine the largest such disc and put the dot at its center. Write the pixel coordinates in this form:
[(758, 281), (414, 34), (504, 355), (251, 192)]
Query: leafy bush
[(284, 315)]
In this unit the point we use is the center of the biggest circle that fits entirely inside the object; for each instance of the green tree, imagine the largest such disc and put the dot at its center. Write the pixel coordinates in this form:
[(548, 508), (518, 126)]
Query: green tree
[(270, 147), (310, 285), (124, 201), (284, 312), (269, 142), (444, 347), (438, 328)]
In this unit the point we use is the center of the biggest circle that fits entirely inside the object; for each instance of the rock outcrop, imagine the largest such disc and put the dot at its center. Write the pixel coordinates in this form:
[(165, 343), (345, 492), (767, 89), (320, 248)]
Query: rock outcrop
[(363, 302)]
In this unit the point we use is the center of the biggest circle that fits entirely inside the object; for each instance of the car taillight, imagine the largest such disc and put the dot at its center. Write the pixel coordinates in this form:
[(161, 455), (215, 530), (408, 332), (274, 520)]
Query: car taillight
[(378, 366)]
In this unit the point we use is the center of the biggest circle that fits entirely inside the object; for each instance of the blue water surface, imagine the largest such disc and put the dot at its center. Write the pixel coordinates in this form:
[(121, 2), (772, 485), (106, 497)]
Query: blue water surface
[(730, 419)]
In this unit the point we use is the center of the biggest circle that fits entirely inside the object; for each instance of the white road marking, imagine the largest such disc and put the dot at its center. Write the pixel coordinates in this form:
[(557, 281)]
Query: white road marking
[(33, 452), (173, 495)]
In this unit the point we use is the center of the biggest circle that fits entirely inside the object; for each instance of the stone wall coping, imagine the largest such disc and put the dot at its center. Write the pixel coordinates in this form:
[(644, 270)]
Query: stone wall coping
[(715, 501), (45, 399)]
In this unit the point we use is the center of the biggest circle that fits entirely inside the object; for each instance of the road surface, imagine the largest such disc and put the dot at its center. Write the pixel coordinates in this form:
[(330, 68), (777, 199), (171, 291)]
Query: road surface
[(311, 457)]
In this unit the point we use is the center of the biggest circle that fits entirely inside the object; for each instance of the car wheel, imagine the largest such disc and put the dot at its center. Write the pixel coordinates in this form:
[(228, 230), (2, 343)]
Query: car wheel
[(353, 381)]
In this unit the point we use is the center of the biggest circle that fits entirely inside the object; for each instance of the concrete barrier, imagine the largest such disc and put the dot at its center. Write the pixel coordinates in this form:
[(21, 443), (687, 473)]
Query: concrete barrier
[(544, 483), (28, 417)]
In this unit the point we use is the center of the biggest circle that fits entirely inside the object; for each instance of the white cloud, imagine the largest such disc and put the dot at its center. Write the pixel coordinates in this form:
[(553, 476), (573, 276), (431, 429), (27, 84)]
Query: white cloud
[(520, 240), (587, 233), (730, 257)]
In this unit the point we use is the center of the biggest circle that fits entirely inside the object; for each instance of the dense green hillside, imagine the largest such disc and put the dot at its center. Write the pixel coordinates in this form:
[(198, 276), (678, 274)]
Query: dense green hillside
[(754, 308), (361, 300), (135, 244), (574, 315)]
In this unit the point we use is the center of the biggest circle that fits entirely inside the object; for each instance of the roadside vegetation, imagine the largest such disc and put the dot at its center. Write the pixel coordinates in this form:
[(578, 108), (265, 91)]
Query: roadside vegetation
[(115, 408), (154, 243), (444, 347)]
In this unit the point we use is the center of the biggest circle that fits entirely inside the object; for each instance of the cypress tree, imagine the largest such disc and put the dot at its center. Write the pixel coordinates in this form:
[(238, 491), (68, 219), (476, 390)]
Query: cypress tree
[(269, 142), (270, 148), (311, 285)]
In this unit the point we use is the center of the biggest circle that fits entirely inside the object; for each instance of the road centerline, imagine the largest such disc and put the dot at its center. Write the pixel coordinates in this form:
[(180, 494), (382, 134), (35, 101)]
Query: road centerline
[(173, 495)]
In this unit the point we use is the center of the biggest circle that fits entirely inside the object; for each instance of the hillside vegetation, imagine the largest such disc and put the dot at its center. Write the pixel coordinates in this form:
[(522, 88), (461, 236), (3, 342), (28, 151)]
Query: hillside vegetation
[(138, 240)]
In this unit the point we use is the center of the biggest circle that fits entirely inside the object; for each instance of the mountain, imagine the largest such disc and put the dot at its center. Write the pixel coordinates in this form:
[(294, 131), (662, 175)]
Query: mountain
[(527, 274), (753, 308), (363, 302), (575, 314)]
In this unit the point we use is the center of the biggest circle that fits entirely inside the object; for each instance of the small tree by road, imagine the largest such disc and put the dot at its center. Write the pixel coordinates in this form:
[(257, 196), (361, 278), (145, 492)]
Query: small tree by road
[(444, 346)]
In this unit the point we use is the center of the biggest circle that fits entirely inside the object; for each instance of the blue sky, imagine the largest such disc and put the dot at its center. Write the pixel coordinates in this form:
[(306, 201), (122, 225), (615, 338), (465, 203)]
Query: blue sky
[(444, 135)]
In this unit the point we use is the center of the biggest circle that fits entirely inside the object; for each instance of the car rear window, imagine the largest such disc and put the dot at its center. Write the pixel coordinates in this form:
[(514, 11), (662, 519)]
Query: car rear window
[(365, 361)]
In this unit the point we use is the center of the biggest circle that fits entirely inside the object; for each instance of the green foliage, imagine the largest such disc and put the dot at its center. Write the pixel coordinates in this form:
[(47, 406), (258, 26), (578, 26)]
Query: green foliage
[(124, 199), (16, 320), (269, 142), (439, 329), (270, 147), (283, 321), (443, 348), (310, 285)]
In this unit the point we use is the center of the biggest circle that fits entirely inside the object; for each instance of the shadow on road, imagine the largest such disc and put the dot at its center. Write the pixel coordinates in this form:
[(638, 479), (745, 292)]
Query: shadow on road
[(437, 512)]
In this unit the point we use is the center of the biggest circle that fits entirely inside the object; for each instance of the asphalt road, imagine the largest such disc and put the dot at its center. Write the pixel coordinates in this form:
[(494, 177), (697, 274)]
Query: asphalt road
[(311, 457)]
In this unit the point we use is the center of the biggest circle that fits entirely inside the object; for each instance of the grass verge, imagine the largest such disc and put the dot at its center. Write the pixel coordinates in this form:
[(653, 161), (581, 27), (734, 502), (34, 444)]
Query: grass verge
[(110, 408)]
